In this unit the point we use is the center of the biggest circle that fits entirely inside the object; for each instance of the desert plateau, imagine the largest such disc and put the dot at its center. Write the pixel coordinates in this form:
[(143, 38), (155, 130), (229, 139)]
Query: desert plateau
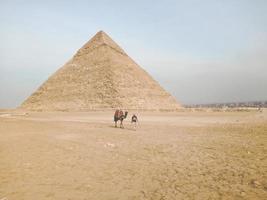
[(170, 155)]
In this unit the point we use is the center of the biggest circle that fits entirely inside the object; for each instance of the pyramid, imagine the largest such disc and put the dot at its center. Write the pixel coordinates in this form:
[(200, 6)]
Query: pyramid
[(100, 76)]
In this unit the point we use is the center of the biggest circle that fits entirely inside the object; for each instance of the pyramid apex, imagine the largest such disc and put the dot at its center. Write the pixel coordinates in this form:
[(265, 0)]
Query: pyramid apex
[(101, 35), (99, 39), (101, 32)]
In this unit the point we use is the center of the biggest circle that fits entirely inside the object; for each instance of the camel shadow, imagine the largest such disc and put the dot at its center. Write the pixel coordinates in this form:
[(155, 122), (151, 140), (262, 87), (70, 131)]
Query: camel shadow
[(125, 128)]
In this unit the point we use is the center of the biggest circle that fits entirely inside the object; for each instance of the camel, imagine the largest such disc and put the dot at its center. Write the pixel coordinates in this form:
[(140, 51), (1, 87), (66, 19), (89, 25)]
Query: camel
[(120, 116)]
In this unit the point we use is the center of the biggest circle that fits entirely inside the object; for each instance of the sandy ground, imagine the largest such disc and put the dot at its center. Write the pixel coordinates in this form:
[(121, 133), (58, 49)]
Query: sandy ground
[(185, 155)]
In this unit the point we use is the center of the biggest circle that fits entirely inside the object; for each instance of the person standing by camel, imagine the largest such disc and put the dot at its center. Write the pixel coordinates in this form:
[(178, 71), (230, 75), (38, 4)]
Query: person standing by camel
[(134, 120)]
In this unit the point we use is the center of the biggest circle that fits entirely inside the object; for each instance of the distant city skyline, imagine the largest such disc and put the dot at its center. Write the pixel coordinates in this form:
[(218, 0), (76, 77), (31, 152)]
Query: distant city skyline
[(200, 51)]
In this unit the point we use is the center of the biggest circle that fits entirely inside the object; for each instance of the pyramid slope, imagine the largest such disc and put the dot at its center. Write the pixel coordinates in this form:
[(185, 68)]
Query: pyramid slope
[(100, 76)]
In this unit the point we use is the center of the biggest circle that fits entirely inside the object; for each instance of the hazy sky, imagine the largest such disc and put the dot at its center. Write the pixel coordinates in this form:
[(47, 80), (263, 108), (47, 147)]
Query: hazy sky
[(201, 51)]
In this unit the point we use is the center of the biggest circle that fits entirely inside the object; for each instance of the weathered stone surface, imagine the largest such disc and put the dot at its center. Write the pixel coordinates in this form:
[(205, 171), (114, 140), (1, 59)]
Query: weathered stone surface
[(100, 76)]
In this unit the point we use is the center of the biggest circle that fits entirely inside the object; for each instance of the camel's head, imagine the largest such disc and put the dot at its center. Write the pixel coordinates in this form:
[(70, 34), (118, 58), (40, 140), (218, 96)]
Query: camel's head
[(126, 113)]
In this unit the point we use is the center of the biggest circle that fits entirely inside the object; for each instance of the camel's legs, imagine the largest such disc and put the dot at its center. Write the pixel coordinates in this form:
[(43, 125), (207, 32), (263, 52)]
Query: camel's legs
[(115, 124), (121, 124)]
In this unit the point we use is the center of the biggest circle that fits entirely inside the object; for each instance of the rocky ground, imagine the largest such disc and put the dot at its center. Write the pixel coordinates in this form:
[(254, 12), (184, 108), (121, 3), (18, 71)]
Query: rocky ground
[(183, 155)]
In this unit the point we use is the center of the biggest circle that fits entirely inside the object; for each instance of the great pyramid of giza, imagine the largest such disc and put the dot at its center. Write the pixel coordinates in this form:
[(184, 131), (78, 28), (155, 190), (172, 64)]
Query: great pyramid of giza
[(100, 76)]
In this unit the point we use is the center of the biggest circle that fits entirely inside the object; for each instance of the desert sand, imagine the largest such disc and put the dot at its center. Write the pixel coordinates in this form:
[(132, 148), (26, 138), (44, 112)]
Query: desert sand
[(179, 155)]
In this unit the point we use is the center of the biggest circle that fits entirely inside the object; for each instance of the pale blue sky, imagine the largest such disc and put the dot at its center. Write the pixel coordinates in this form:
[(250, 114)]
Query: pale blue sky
[(201, 51)]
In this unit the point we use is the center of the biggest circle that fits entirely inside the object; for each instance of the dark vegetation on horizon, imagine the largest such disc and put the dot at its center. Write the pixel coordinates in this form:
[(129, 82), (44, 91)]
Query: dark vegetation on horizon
[(253, 104)]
